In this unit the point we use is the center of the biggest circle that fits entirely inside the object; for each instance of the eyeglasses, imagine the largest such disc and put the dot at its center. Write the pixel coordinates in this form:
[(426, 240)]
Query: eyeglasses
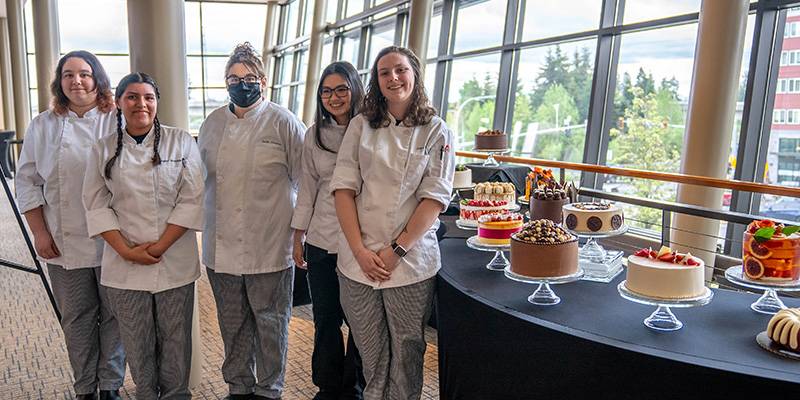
[(234, 80), (341, 91)]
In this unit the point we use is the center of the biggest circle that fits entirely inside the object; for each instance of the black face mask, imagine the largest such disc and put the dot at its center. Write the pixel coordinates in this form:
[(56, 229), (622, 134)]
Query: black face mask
[(244, 94)]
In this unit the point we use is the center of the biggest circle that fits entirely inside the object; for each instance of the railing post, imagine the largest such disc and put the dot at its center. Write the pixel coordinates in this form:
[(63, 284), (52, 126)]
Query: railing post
[(666, 222)]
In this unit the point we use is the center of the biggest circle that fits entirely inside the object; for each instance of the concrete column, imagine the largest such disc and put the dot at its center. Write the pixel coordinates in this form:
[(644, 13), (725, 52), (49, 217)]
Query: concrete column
[(157, 38), (47, 47), (6, 92), (270, 34), (314, 61), (418, 28), (712, 105), (19, 66)]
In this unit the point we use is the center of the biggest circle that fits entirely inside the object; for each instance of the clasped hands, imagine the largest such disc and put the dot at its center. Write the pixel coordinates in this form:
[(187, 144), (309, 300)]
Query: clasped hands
[(378, 266), (145, 253)]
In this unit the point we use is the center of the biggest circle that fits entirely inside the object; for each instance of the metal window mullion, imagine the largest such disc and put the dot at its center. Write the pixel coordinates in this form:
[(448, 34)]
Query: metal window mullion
[(443, 67), (400, 29), (202, 61), (505, 94), (363, 46), (756, 115), (601, 99)]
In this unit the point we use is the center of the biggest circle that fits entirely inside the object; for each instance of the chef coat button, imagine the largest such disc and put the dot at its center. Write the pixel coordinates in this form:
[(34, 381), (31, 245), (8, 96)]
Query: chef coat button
[(240, 240), (238, 210)]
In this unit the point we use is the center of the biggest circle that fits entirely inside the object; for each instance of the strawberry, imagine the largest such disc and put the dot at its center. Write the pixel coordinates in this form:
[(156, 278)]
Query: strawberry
[(692, 262), (653, 254), (679, 257), (668, 257), (642, 253)]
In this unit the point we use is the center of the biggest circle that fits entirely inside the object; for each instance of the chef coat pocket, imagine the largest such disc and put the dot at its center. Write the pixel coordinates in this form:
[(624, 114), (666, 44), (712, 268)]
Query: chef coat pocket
[(414, 170), (169, 180), (269, 162)]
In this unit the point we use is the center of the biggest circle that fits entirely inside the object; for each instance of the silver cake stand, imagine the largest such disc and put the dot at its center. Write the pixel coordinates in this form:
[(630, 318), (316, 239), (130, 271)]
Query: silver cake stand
[(768, 303), (490, 161), (601, 265), (499, 262), (543, 295), (662, 319)]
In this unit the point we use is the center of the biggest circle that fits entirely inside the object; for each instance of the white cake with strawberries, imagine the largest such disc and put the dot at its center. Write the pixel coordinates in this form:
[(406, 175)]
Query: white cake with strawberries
[(471, 210), (665, 274)]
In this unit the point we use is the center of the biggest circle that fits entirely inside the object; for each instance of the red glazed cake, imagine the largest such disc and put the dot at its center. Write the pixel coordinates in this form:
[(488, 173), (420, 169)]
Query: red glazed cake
[(496, 229), (771, 252)]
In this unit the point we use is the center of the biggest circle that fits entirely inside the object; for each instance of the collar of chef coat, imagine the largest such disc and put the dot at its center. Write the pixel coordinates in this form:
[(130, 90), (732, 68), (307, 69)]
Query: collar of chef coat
[(250, 113), (393, 122), (93, 113), (148, 140)]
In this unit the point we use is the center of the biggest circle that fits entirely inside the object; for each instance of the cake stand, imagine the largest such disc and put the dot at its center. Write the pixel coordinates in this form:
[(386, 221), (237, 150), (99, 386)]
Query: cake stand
[(490, 161), (601, 265), (662, 319), (768, 303), (543, 295), (499, 262)]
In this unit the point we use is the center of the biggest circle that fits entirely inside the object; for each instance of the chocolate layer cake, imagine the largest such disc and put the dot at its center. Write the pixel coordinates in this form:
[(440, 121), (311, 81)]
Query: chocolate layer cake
[(491, 140), (543, 249)]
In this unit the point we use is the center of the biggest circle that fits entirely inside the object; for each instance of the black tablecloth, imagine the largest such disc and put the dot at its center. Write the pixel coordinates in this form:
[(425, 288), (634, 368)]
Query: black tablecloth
[(493, 344)]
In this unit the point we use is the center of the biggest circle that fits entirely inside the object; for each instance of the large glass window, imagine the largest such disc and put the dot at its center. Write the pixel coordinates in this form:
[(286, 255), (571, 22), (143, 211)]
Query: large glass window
[(480, 24), (783, 154), (552, 101), (382, 36), (645, 10), (472, 96), (649, 116), (550, 18)]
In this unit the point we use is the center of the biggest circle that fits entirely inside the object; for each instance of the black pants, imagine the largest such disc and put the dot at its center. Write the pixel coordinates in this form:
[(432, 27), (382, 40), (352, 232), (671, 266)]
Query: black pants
[(335, 367)]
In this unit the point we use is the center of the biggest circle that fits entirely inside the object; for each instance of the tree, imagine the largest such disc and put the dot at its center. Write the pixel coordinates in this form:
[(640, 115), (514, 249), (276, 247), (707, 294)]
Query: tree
[(579, 82), (557, 108), (646, 144), (555, 70)]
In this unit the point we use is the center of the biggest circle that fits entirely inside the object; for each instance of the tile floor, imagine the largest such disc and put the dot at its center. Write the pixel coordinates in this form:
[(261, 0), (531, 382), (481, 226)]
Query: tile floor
[(33, 359)]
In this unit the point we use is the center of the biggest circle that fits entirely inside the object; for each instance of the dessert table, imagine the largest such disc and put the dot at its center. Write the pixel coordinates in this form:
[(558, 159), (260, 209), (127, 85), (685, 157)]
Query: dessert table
[(493, 344)]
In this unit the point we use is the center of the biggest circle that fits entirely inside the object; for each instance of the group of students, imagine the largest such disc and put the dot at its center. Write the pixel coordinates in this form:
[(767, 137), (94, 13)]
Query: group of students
[(113, 206)]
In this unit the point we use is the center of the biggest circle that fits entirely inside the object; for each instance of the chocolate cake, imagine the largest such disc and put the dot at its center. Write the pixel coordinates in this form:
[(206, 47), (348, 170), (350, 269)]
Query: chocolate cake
[(491, 140), (543, 249)]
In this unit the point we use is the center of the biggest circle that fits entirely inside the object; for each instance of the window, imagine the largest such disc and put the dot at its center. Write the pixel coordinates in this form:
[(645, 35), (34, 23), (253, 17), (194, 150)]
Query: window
[(552, 101), (489, 15), (791, 29), (551, 18), (473, 92), (646, 10), (382, 36), (210, 38)]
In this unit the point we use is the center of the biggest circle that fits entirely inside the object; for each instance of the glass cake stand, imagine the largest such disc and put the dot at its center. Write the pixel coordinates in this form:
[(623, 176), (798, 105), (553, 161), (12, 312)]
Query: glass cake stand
[(662, 319), (499, 262), (601, 265), (543, 295), (768, 303), (490, 161)]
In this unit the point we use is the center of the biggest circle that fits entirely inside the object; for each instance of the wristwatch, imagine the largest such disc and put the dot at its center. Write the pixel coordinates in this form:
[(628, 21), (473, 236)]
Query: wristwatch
[(399, 250)]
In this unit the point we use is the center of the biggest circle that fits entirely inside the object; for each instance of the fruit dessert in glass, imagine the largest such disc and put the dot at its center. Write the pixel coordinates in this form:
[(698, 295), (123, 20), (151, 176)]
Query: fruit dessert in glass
[(771, 252)]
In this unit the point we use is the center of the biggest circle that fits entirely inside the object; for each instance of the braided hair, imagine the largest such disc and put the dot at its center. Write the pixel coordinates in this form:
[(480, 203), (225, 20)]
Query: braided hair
[(136, 77)]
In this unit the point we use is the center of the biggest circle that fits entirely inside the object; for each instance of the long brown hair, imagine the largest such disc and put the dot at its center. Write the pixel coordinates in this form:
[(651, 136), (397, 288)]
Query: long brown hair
[(350, 75), (375, 108), (105, 100)]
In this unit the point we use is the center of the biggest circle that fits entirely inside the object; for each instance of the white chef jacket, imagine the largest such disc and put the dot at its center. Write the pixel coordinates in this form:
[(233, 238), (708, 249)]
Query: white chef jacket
[(140, 200), (50, 174), (253, 167), (392, 169), (315, 212)]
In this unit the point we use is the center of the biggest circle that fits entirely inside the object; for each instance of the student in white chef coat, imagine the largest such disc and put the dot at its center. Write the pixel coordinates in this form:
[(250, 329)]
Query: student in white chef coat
[(143, 194), (393, 177), (49, 181), (335, 369), (252, 152)]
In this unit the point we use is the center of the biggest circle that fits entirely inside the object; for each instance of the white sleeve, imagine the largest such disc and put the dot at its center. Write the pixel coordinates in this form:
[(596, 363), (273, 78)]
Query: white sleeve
[(347, 174), (188, 211), (29, 184), (309, 185), (437, 180), (100, 217)]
